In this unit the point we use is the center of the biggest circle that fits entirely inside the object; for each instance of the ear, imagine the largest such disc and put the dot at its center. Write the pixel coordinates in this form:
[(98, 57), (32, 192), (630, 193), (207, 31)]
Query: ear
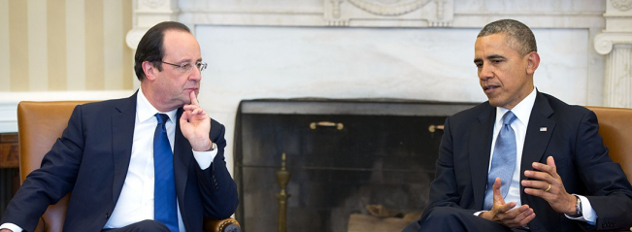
[(533, 61), (149, 70)]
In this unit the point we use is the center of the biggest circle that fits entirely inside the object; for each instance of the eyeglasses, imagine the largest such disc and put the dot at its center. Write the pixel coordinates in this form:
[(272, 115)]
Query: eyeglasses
[(185, 67)]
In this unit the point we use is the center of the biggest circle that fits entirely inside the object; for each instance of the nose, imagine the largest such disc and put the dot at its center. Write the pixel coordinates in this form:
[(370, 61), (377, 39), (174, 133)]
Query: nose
[(195, 75), (485, 72)]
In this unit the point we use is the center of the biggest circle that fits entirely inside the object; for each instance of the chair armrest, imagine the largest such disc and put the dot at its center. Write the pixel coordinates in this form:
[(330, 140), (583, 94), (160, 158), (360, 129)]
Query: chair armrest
[(222, 225)]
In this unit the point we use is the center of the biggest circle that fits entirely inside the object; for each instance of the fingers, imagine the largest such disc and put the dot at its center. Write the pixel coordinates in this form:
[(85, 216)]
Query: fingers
[(194, 110), (549, 167), (517, 217), (537, 188), (551, 162), (194, 100), (545, 172), (525, 215)]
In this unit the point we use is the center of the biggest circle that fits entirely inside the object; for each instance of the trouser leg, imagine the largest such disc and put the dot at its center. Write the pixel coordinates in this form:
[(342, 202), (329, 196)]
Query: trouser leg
[(455, 219), (142, 226)]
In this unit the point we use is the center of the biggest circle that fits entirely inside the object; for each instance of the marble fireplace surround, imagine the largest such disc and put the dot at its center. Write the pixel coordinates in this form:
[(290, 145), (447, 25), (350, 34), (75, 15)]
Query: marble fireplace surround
[(401, 49)]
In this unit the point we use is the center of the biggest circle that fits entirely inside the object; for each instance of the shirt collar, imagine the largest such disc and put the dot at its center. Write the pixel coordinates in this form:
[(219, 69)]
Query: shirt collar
[(522, 110), (145, 111)]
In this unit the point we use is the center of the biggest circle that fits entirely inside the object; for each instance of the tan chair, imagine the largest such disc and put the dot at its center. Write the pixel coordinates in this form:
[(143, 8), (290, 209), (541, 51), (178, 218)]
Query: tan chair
[(39, 126), (615, 126)]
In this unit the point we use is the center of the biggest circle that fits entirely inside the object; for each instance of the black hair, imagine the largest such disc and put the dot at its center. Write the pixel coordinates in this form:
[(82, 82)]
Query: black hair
[(150, 48), (520, 34)]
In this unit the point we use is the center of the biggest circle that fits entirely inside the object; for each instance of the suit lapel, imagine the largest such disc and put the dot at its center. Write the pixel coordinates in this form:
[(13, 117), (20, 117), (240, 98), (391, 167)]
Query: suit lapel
[(480, 139), (538, 135), (181, 157), (123, 121)]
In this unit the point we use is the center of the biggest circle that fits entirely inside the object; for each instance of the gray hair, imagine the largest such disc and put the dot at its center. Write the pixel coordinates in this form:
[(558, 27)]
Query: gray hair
[(521, 35)]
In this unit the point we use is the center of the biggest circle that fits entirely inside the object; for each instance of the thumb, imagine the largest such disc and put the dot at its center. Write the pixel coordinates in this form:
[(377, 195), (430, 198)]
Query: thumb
[(496, 190)]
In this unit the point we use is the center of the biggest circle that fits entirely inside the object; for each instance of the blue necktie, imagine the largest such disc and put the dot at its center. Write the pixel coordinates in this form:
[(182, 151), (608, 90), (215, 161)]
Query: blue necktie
[(164, 182), (503, 160)]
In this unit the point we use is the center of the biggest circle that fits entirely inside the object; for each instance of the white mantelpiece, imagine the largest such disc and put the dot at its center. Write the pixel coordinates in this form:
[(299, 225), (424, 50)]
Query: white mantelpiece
[(616, 43)]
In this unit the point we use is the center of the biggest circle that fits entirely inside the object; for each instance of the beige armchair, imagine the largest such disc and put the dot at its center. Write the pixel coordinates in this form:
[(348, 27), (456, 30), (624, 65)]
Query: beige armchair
[(615, 126), (39, 125)]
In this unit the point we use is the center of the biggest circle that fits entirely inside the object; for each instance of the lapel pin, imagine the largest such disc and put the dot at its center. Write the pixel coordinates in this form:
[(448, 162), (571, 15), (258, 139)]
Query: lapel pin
[(543, 128)]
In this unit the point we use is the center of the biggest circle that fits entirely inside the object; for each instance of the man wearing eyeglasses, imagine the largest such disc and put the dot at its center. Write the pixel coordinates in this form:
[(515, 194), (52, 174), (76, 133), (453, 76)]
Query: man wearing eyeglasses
[(150, 162)]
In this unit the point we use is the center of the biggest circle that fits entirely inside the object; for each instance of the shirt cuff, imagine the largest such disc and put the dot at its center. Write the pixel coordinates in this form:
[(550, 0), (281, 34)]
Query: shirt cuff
[(204, 158), (588, 213), (11, 226), (479, 212)]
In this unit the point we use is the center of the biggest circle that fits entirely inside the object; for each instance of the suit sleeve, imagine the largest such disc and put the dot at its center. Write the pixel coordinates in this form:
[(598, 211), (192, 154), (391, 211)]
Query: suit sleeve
[(444, 191), (218, 189), (607, 187), (52, 181)]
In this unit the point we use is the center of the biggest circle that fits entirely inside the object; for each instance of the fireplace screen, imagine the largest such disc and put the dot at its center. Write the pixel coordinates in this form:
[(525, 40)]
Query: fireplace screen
[(348, 160)]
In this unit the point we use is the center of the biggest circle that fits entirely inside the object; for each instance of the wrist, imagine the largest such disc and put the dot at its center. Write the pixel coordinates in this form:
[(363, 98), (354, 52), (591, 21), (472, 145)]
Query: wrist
[(578, 206), (486, 215), (210, 146), (570, 210)]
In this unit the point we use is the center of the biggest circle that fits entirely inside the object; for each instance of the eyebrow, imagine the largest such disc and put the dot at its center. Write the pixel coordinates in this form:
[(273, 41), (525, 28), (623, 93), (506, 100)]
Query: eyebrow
[(184, 60), (494, 56)]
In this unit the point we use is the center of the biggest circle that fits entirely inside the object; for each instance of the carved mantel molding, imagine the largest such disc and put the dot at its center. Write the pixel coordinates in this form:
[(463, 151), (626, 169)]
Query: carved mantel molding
[(606, 41), (146, 14), (378, 13), (622, 5), (417, 13)]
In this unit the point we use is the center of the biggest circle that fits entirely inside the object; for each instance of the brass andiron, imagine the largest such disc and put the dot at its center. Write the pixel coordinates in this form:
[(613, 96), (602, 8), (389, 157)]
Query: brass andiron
[(283, 176)]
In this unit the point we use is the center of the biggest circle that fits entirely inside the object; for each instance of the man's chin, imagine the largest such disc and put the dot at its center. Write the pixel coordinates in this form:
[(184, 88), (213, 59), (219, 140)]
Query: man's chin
[(494, 102)]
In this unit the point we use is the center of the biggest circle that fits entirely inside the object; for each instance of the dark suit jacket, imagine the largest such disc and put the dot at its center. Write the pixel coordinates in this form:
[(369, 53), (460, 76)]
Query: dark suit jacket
[(571, 138), (91, 160)]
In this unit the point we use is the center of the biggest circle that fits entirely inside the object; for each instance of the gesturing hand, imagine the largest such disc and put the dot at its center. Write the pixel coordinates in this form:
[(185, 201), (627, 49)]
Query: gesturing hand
[(548, 185), (503, 213), (196, 125)]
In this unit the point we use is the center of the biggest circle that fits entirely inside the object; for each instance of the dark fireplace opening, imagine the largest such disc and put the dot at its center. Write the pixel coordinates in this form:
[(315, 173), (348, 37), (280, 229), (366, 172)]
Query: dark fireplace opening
[(343, 155)]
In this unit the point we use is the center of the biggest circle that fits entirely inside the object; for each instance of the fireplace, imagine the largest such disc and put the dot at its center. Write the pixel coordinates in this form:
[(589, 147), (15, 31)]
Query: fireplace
[(342, 155)]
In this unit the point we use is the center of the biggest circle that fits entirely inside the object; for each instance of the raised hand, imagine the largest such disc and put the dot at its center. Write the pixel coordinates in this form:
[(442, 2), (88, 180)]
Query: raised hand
[(548, 185), (503, 213), (196, 125)]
